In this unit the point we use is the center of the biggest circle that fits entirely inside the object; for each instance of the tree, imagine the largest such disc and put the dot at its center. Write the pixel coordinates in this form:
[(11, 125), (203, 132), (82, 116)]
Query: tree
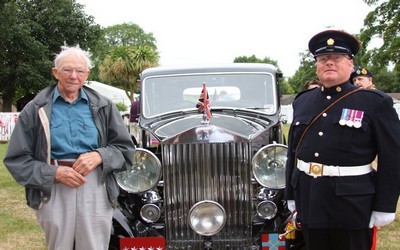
[(123, 64), (283, 85), (304, 73), (254, 59), (127, 34), (32, 32), (382, 23)]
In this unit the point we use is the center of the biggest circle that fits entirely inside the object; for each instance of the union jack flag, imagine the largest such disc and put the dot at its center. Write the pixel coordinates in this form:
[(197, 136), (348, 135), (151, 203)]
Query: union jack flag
[(203, 105)]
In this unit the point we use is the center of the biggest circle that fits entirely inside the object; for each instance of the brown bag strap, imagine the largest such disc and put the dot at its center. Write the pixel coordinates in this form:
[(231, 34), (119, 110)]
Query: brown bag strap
[(320, 114)]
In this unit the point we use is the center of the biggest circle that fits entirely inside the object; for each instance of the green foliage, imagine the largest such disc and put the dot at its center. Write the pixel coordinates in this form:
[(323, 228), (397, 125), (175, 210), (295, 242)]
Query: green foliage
[(383, 23), (126, 35), (123, 64), (305, 73), (254, 59), (284, 87), (121, 106), (32, 33)]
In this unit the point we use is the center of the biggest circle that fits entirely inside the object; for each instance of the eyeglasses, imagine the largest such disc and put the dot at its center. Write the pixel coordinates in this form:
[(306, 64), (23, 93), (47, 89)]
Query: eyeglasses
[(69, 71), (334, 58)]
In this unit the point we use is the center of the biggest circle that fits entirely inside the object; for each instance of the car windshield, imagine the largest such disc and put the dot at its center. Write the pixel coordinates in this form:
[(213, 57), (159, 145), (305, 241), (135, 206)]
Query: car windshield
[(164, 94)]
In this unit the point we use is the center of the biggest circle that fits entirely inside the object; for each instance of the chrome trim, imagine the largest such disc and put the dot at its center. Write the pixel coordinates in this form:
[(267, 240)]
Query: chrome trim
[(202, 171)]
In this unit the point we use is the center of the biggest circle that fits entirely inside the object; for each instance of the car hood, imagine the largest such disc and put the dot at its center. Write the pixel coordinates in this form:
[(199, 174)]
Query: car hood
[(221, 128)]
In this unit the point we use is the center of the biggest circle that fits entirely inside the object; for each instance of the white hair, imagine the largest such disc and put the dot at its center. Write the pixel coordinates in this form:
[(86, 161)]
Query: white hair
[(76, 50)]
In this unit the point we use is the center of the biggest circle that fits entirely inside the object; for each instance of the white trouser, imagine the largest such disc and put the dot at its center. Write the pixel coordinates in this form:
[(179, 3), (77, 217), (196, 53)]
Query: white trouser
[(82, 215)]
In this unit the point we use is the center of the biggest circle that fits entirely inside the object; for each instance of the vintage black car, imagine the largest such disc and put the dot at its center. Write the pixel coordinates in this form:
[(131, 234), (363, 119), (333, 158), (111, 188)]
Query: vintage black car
[(206, 182)]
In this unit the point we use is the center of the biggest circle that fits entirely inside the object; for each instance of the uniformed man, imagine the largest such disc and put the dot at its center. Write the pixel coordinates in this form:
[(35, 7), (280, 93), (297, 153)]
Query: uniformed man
[(335, 135), (362, 77)]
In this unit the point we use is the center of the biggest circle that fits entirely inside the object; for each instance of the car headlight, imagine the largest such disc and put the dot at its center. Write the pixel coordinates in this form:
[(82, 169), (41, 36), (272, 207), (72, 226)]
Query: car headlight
[(207, 217), (143, 175), (269, 165)]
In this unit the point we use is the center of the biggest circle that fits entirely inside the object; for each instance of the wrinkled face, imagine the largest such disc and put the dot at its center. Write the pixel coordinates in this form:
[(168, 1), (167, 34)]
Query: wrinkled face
[(362, 81), (71, 74), (334, 69)]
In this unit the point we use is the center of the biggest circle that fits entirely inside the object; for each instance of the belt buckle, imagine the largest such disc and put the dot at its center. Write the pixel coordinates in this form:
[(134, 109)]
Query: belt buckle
[(316, 169)]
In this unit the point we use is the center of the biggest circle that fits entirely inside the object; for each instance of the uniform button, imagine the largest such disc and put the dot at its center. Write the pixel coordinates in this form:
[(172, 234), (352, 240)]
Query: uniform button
[(297, 123), (338, 89), (324, 114), (316, 154), (320, 133), (328, 97), (45, 198)]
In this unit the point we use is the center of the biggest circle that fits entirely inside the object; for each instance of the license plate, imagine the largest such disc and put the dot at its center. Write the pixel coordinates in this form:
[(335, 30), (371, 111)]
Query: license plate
[(145, 243)]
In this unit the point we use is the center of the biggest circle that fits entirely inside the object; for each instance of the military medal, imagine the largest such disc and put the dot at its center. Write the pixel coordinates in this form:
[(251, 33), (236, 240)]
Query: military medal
[(350, 120), (343, 117), (358, 118)]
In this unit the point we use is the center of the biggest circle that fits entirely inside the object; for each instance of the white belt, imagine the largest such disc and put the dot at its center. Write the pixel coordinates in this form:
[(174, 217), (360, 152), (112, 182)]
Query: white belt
[(317, 169)]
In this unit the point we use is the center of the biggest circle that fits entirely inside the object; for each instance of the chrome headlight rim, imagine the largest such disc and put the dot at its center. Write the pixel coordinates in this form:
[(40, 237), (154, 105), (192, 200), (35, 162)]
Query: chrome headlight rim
[(199, 205), (271, 213), (150, 208), (264, 151), (119, 176)]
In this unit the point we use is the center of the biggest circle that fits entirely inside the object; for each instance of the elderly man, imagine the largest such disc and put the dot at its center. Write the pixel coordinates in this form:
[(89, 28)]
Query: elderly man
[(363, 78), (67, 144), (336, 133)]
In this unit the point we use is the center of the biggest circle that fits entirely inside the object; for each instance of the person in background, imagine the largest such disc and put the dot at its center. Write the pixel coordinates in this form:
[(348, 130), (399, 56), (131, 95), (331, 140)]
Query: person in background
[(335, 135), (67, 144), (312, 84), (134, 119), (363, 78)]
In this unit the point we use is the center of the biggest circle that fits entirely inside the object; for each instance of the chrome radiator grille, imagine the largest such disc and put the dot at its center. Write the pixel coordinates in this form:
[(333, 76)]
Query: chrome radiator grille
[(220, 172)]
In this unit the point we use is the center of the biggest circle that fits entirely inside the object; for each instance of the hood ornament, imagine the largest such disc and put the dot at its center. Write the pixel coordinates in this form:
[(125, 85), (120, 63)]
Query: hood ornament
[(203, 105)]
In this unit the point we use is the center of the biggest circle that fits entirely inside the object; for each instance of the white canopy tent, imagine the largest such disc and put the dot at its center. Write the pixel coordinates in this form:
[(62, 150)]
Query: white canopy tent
[(116, 95)]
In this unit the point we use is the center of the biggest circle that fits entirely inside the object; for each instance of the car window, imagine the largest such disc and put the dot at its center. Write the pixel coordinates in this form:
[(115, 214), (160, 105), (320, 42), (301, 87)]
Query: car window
[(181, 92)]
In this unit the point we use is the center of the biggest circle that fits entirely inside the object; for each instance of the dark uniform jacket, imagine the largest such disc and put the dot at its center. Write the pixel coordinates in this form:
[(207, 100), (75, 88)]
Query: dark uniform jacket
[(347, 201)]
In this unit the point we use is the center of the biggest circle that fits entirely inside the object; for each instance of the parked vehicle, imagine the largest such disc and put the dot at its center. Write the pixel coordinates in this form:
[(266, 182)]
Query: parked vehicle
[(206, 183)]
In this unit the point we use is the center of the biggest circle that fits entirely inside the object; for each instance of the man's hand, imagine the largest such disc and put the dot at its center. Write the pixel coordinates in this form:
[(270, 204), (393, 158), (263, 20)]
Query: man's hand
[(69, 177), (87, 162)]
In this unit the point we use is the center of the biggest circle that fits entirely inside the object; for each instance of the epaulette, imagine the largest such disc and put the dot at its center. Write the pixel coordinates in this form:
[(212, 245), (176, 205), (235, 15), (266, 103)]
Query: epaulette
[(376, 92), (302, 92)]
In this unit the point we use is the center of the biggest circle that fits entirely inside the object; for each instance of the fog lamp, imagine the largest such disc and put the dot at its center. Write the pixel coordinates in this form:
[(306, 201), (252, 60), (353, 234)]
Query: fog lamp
[(150, 213), (267, 210), (207, 217)]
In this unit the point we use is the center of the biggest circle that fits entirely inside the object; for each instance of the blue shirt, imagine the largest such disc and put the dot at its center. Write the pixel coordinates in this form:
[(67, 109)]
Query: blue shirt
[(72, 128)]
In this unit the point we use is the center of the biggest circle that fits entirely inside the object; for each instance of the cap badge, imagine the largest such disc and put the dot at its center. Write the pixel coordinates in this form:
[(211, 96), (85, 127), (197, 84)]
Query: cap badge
[(358, 72), (364, 71), (330, 42)]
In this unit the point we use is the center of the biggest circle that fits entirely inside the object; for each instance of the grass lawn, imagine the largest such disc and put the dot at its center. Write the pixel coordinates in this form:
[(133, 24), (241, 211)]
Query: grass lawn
[(18, 226), (20, 231)]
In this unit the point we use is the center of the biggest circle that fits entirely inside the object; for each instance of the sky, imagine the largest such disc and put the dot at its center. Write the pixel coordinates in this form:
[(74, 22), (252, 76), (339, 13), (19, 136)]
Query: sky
[(217, 31)]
